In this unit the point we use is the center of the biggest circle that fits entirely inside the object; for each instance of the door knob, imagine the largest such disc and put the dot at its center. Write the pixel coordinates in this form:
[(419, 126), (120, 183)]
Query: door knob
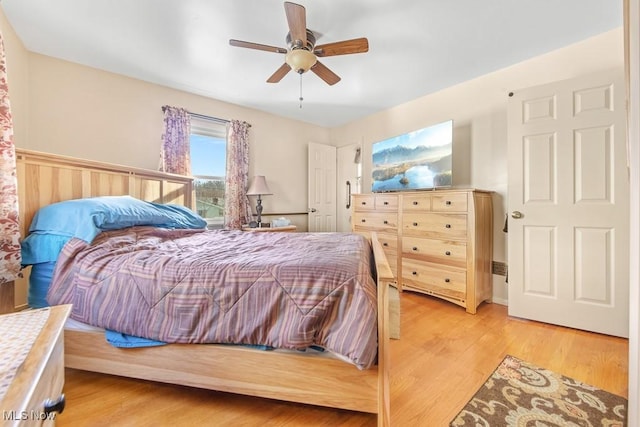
[(516, 214)]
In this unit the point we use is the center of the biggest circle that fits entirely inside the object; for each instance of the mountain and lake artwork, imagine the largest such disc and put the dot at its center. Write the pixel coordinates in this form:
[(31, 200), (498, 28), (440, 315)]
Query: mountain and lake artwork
[(415, 160)]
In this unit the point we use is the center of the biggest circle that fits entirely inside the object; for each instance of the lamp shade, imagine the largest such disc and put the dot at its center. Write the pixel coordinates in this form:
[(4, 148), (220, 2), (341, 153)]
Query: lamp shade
[(258, 186)]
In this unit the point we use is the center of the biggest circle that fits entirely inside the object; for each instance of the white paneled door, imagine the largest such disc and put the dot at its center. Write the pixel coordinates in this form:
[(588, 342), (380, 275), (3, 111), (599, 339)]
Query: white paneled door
[(568, 204), (322, 187), (348, 183)]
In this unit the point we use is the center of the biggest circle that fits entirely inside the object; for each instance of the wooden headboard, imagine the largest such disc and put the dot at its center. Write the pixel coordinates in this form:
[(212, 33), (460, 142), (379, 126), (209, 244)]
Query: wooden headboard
[(45, 178)]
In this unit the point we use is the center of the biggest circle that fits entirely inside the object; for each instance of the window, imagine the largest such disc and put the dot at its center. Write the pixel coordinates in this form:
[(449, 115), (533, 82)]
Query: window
[(208, 142)]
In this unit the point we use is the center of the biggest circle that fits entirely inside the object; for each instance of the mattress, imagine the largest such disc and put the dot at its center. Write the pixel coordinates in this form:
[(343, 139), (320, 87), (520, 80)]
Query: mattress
[(283, 290)]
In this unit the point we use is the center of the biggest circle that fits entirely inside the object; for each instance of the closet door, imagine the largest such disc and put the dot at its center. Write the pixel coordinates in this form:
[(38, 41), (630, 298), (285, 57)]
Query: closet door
[(568, 204), (322, 187)]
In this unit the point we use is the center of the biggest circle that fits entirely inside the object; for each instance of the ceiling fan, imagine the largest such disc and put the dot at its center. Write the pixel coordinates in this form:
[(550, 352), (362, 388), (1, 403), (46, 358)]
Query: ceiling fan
[(302, 53)]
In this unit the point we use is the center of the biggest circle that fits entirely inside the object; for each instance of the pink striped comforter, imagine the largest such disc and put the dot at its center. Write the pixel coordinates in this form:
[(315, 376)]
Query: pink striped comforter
[(285, 290)]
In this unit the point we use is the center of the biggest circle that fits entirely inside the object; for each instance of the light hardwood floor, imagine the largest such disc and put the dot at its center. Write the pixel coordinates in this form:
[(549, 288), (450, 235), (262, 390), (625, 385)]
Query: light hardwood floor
[(444, 355)]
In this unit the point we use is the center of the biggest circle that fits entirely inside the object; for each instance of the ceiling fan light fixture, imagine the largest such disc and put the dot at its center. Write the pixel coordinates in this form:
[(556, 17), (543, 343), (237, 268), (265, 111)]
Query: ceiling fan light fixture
[(300, 60), (302, 53)]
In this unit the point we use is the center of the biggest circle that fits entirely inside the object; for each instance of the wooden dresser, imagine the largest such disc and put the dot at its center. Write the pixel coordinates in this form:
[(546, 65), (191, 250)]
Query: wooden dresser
[(34, 395), (441, 240), (379, 213)]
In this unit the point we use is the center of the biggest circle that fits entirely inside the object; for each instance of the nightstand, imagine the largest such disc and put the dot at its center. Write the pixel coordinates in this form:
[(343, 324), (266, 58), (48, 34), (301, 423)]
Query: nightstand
[(34, 394), (285, 229)]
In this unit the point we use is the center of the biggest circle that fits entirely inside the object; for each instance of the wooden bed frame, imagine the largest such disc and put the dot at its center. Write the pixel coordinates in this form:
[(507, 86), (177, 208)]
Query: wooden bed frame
[(45, 178)]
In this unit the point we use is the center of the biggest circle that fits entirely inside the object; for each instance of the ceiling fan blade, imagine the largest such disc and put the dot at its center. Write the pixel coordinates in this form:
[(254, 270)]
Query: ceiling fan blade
[(279, 74), (297, 20), (257, 46), (325, 74), (344, 47)]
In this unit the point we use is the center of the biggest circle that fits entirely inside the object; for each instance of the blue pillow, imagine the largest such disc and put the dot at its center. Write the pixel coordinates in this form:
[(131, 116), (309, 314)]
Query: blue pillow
[(85, 218), (41, 247), (181, 217), (39, 281)]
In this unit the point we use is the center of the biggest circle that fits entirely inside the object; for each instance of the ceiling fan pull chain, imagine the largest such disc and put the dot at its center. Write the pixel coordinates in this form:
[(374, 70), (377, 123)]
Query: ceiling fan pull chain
[(300, 90)]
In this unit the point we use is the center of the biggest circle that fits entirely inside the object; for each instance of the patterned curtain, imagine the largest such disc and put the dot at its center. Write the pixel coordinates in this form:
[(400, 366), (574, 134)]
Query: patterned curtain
[(175, 154), (237, 210), (9, 223)]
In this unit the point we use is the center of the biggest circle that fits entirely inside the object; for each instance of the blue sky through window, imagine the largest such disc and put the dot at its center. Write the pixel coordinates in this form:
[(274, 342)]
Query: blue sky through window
[(208, 155)]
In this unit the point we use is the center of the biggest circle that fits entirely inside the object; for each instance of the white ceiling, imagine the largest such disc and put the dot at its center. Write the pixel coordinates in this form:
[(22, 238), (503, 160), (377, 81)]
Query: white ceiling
[(416, 47)]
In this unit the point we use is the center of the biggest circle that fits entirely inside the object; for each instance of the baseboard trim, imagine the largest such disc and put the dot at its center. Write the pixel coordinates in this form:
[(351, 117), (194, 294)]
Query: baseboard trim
[(500, 301)]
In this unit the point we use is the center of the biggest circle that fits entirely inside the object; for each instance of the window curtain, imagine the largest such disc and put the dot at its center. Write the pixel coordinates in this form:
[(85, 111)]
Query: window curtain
[(9, 224), (237, 210), (175, 154)]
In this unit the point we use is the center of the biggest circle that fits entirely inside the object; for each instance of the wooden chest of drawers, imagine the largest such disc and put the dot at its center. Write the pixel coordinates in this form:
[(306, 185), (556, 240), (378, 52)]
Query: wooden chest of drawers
[(379, 213), (443, 240)]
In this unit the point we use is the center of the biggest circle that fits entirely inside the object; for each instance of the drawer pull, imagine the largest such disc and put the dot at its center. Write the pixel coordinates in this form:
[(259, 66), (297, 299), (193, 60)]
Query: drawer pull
[(447, 280), (364, 203), (414, 248), (385, 244), (415, 273), (415, 224), (385, 203), (363, 220), (448, 203), (447, 253), (415, 203), (447, 226), (51, 406), (385, 221)]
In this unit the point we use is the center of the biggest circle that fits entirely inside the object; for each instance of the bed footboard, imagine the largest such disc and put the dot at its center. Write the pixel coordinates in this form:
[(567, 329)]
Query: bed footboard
[(322, 381), (385, 281)]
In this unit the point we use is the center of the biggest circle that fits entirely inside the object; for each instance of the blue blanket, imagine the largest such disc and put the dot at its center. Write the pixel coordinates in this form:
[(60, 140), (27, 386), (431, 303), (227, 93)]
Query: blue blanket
[(118, 339)]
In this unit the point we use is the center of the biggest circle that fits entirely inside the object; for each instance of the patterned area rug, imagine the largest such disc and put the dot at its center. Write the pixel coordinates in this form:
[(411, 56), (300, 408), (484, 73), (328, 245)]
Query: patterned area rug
[(521, 394)]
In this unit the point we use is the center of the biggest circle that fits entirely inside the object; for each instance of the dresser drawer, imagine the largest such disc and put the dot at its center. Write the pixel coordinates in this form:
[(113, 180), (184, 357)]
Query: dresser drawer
[(363, 202), (389, 244), (449, 252), (376, 202), (386, 202), (388, 241), (416, 202), (451, 283), (433, 225), (375, 220), (449, 202)]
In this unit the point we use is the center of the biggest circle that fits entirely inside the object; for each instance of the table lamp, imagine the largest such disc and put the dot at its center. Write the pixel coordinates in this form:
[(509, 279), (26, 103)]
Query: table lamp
[(258, 187)]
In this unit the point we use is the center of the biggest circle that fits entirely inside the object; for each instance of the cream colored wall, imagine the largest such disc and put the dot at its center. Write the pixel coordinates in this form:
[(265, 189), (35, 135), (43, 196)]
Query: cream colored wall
[(88, 113), (66, 108), (479, 110)]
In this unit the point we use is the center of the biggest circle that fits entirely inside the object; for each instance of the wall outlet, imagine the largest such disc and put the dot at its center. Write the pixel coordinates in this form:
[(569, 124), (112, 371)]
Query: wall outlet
[(499, 268)]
